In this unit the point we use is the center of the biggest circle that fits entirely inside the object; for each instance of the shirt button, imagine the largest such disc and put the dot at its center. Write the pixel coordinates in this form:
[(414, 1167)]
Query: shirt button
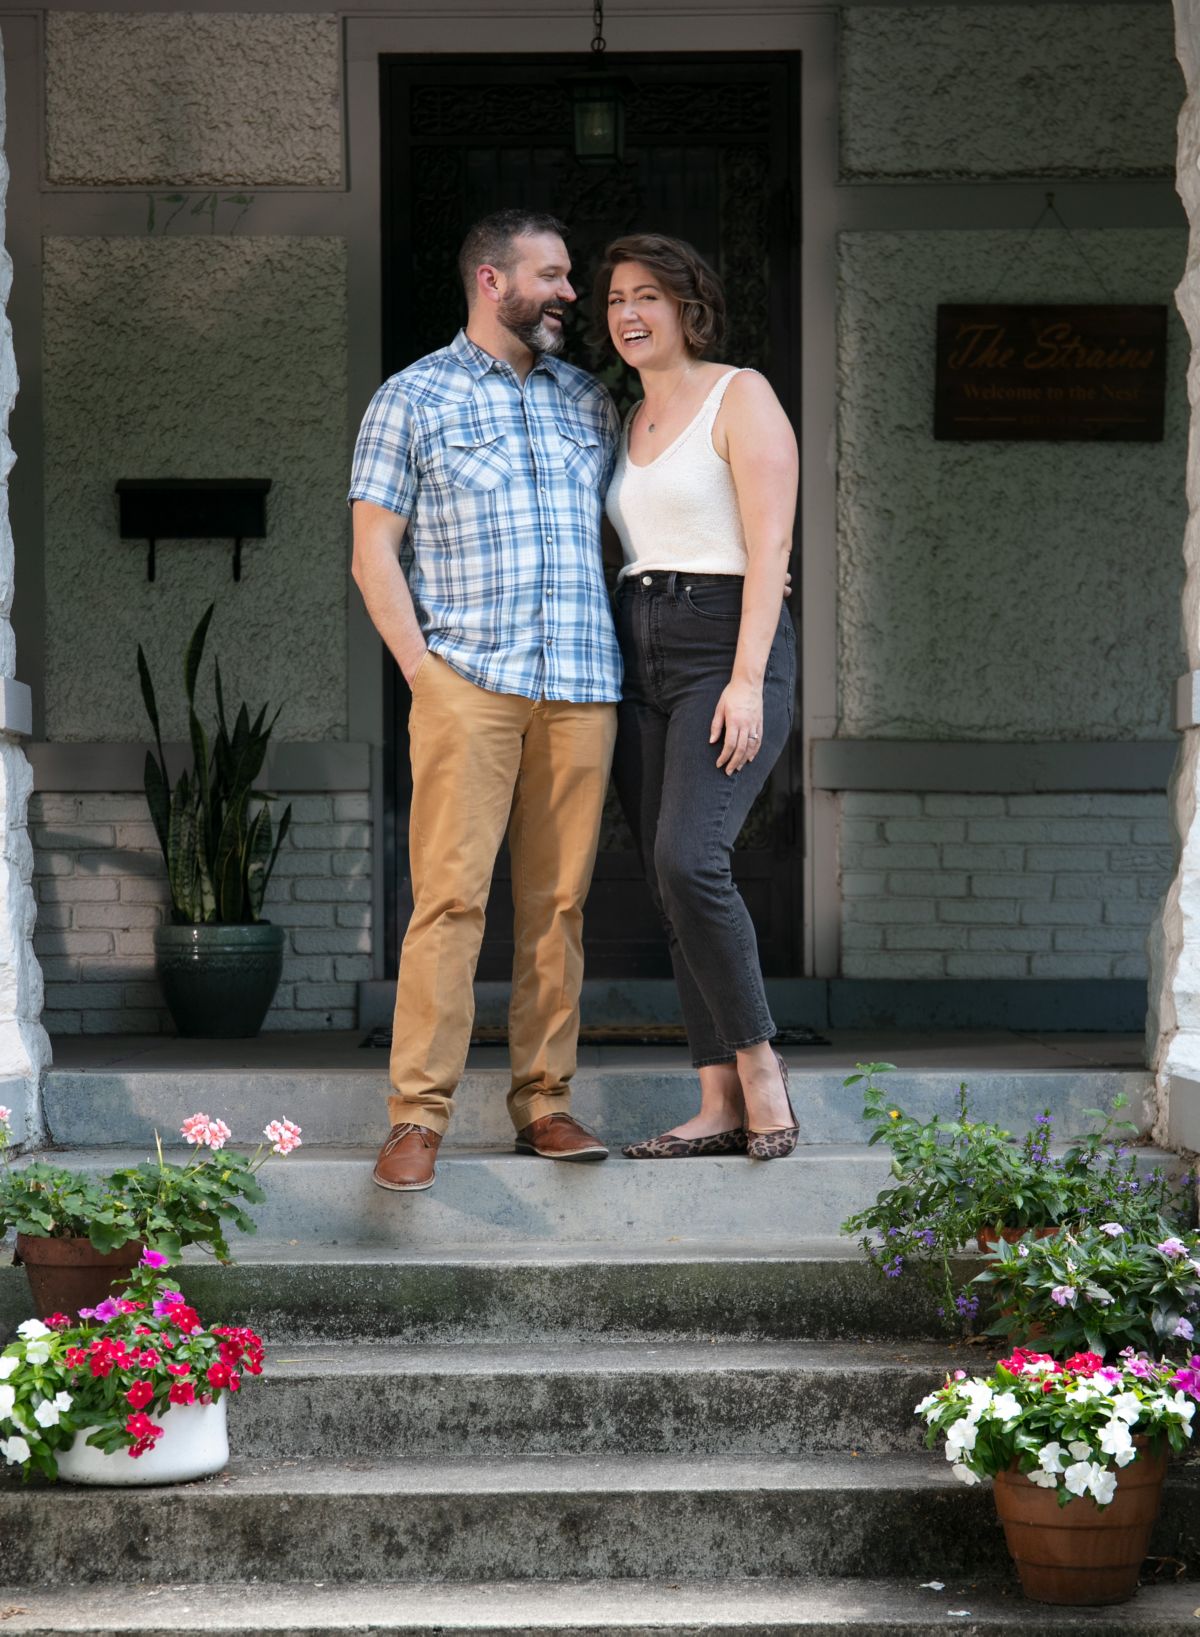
[(647, 580)]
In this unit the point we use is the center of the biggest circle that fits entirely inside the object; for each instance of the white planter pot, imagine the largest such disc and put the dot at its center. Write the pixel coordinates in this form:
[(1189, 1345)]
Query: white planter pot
[(194, 1444)]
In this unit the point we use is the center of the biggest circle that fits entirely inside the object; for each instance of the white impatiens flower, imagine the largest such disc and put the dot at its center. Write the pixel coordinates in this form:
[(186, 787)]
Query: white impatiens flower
[(1006, 1407), (1112, 1229), (1084, 1393), (1115, 1440), (926, 1404), (1103, 1486), (960, 1439), (964, 1474), (8, 1363), (63, 1400), (1126, 1407), (979, 1395), (1044, 1480), (37, 1352), (46, 1414), (1050, 1458), (1080, 1450), (14, 1450), (31, 1329), (8, 1397), (1081, 1476)]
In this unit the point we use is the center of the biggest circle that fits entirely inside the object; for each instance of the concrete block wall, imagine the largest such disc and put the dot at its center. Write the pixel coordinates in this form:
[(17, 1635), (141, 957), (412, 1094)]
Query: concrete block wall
[(990, 886), (101, 891)]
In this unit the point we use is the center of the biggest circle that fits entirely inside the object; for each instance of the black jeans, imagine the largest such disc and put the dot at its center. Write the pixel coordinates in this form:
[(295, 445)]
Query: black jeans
[(678, 635)]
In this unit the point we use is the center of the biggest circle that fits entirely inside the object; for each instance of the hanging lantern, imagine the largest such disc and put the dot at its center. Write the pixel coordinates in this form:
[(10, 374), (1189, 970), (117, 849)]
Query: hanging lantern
[(598, 106)]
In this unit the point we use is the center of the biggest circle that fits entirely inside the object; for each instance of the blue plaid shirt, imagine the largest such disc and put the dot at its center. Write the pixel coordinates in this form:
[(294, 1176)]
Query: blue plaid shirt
[(501, 485)]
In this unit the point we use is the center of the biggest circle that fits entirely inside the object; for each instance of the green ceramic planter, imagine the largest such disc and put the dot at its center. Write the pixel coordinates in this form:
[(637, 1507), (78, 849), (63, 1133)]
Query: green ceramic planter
[(218, 981)]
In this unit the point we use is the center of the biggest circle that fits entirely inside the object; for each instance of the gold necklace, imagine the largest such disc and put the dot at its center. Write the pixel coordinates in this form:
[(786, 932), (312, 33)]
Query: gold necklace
[(652, 424)]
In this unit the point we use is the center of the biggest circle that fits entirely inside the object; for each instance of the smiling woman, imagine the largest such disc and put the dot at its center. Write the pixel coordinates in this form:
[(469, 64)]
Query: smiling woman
[(703, 497)]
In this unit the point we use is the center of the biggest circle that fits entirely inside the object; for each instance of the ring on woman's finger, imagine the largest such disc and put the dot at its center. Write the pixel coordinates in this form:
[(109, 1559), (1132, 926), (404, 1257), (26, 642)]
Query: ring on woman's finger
[(754, 737)]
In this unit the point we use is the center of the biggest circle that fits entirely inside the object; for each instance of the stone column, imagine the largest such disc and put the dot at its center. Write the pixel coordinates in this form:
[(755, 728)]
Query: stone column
[(24, 1048)]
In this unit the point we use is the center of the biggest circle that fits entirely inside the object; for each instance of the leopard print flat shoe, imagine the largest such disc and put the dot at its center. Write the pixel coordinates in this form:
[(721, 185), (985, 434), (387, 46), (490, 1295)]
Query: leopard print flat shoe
[(775, 1145), (668, 1147)]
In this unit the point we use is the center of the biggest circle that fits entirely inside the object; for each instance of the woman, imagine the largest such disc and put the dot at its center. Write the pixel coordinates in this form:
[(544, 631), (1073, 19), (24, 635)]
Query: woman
[(702, 497)]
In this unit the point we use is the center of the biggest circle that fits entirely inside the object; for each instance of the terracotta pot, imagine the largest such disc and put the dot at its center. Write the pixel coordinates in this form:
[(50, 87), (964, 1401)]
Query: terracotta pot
[(1079, 1553), (987, 1238), (67, 1274), (194, 1444)]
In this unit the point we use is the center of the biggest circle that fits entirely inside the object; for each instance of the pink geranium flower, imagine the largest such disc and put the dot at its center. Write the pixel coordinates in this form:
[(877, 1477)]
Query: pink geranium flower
[(202, 1132), (154, 1258), (283, 1136)]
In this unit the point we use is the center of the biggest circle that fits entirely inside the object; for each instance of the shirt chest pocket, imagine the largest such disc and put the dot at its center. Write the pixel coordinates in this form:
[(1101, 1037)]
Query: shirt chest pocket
[(476, 458), (582, 453)]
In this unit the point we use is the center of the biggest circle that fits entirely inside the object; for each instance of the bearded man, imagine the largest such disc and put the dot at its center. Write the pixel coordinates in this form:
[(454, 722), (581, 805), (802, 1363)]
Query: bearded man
[(477, 485)]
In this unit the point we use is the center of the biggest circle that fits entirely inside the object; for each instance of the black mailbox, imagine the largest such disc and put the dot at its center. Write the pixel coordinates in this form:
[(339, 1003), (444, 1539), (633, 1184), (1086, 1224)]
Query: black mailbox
[(183, 508)]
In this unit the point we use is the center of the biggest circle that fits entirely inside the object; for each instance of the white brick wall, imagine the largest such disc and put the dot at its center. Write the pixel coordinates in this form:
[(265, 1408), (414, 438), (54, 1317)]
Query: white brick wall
[(945, 886), (101, 890)]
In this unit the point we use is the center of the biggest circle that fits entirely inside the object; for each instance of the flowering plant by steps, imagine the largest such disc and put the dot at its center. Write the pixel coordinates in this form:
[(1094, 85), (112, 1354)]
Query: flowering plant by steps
[(1103, 1288), (953, 1177), (118, 1369), (1070, 1426), (166, 1205)]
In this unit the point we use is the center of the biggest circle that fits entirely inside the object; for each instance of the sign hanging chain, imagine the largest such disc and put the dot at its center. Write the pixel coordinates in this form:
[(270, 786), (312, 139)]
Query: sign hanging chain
[(1048, 209), (599, 43)]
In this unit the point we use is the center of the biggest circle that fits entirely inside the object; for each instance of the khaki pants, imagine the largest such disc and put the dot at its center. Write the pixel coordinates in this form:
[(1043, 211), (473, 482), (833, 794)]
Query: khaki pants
[(483, 762)]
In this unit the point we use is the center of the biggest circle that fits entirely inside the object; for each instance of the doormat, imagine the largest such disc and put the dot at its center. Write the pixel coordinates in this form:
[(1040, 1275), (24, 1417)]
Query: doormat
[(617, 1034)]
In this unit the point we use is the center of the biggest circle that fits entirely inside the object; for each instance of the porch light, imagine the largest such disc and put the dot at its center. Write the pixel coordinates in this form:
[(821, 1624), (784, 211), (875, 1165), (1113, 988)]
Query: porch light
[(172, 508), (598, 106)]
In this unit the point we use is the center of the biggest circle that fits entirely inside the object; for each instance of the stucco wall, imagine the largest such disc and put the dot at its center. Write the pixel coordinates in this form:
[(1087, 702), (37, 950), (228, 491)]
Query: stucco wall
[(195, 357), (184, 98), (1000, 591), (1033, 90)]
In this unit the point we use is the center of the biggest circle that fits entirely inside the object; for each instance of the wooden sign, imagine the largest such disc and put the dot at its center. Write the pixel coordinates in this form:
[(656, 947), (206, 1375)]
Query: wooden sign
[(1051, 373)]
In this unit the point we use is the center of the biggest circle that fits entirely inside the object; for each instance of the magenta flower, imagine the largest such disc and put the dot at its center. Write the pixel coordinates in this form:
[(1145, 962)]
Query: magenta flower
[(5, 1114), (108, 1309), (164, 1303), (154, 1259)]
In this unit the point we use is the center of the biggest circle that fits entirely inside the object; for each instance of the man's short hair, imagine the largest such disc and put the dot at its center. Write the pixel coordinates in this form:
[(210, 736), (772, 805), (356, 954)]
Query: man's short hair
[(489, 243)]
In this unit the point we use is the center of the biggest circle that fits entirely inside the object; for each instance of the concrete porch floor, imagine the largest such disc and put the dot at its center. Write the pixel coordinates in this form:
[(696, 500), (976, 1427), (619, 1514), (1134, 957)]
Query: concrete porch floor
[(966, 1051)]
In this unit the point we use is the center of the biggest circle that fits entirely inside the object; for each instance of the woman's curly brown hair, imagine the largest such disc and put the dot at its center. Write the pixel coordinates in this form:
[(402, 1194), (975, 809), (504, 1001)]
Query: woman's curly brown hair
[(683, 274)]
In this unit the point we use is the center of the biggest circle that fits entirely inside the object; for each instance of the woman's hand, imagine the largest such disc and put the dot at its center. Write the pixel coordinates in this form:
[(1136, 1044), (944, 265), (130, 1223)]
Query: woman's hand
[(739, 716)]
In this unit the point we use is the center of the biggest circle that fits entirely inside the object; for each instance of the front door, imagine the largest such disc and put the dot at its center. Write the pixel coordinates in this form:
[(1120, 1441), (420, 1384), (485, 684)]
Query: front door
[(710, 156)]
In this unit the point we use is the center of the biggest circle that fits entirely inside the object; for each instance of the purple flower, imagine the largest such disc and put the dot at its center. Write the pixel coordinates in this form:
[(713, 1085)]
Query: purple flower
[(1064, 1295), (967, 1306), (1188, 1381), (107, 1310), (154, 1259), (164, 1304), (1172, 1247), (1183, 1330), (894, 1268), (1141, 1368)]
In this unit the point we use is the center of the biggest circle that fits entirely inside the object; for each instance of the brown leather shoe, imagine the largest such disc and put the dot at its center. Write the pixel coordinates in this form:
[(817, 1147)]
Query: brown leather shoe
[(559, 1137), (406, 1159)]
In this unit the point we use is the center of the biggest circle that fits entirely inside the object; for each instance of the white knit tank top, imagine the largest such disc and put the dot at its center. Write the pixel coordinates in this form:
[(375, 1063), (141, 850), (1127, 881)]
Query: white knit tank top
[(680, 511)]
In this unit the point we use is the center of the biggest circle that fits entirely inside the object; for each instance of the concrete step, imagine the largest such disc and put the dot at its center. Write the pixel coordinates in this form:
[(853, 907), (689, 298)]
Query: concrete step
[(546, 1294), (530, 1518), (760, 1399), (624, 1093), (325, 1196), (583, 1608)]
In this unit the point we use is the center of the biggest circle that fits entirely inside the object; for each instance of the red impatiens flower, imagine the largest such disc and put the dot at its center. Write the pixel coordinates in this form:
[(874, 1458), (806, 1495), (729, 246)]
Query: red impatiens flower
[(177, 1368), (1084, 1364), (140, 1394), (58, 1321), (218, 1374), (182, 1392), (183, 1317), (1022, 1357), (145, 1433), (75, 1357)]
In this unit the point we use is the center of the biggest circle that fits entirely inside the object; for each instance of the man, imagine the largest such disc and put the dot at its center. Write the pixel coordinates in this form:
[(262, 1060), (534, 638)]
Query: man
[(476, 490)]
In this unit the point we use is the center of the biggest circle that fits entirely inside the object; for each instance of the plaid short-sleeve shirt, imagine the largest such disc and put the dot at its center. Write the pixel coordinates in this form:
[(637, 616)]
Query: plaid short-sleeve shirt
[(501, 483)]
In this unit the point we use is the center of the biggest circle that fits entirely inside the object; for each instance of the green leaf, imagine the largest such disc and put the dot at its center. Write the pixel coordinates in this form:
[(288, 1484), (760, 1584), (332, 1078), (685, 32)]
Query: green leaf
[(195, 652)]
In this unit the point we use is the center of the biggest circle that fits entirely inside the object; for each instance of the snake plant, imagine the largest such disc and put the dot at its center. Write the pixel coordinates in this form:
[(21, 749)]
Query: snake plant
[(214, 827)]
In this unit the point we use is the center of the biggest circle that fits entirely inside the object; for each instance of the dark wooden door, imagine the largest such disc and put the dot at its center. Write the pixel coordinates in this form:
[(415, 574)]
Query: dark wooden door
[(711, 156)]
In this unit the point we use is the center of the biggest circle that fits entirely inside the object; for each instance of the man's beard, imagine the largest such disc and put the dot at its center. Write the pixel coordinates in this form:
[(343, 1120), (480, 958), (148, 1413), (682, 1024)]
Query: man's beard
[(525, 320)]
